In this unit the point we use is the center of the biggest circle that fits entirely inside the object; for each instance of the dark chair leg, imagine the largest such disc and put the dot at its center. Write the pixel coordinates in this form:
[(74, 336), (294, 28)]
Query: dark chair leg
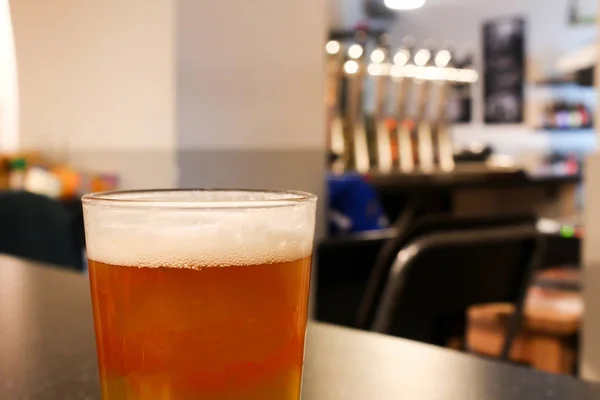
[(512, 329), (514, 323)]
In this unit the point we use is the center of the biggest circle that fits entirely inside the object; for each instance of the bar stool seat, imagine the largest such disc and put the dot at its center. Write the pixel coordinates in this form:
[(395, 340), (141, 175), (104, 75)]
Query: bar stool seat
[(551, 321)]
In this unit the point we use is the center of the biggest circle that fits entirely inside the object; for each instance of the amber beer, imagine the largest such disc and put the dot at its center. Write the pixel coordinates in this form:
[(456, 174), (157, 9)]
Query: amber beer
[(200, 310)]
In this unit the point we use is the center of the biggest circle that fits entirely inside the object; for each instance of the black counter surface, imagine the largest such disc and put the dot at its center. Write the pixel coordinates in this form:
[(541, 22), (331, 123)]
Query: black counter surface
[(47, 352), (467, 178)]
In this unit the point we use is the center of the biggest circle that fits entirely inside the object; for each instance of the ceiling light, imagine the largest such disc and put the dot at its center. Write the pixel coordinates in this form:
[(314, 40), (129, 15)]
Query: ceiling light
[(351, 67), (374, 69), (404, 4), (332, 47), (422, 57), (442, 59), (355, 51), (402, 57), (378, 56)]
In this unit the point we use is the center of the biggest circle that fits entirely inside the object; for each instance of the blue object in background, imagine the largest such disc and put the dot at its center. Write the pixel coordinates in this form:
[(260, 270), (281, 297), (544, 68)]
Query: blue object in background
[(353, 205)]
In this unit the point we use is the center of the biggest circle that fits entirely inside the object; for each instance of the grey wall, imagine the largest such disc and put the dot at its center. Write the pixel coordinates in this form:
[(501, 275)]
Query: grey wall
[(250, 94), (269, 169), (137, 169)]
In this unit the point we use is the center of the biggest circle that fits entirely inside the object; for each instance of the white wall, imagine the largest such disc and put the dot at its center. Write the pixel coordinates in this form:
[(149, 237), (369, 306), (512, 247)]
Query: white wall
[(9, 96), (97, 77)]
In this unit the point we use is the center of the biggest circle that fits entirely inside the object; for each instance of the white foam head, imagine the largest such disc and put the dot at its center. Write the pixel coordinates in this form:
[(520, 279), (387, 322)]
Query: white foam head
[(193, 229)]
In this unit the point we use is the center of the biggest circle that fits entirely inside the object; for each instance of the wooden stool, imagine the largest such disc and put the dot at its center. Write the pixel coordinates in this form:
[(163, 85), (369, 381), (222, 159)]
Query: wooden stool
[(551, 320)]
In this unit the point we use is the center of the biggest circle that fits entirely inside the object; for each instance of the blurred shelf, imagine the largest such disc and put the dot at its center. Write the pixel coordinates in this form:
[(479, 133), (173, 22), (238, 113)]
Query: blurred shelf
[(581, 131), (583, 79), (351, 34), (557, 84)]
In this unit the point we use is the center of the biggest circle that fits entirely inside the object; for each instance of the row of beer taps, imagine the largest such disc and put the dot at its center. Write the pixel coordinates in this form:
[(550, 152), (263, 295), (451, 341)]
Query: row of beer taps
[(407, 129)]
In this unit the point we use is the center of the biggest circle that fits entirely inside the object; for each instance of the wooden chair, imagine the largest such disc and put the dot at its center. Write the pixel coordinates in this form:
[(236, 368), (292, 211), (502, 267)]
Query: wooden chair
[(551, 322)]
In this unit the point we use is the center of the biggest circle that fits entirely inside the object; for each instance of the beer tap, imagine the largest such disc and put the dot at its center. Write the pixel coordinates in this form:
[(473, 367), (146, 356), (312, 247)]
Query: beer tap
[(422, 58), (354, 69), (337, 142), (445, 151), (403, 85), (378, 69), (422, 134)]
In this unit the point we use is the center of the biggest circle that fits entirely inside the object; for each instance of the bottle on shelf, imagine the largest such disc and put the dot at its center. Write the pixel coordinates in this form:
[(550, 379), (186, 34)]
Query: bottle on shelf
[(564, 116)]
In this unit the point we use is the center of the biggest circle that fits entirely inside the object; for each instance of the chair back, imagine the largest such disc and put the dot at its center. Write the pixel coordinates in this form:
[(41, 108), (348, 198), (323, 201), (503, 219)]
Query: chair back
[(38, 228), (410, 228), (342, 267), (437, 277)]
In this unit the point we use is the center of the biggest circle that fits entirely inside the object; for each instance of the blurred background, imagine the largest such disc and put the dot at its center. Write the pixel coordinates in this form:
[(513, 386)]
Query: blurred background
[(451, 142)]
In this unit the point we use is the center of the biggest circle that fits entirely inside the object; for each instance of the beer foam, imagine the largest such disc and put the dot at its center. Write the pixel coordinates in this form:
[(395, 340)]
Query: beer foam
[(197, 238)]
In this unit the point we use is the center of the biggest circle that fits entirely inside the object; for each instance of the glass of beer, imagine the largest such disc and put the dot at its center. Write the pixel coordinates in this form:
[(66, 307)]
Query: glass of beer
[(200, 294)]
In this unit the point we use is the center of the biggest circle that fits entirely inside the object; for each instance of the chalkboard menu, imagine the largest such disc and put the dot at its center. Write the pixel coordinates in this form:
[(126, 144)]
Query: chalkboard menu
[(504, 70)]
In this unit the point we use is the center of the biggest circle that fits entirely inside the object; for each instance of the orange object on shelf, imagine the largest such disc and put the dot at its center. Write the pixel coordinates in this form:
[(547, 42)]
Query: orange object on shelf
[(102, 183), (70, 180)]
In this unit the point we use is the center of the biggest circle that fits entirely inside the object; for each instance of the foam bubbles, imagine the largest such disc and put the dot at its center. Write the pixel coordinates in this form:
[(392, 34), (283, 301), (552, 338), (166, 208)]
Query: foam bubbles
[(195, 238)]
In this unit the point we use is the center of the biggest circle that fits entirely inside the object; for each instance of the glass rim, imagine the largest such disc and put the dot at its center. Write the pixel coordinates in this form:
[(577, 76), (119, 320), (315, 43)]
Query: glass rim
[(128, 199)]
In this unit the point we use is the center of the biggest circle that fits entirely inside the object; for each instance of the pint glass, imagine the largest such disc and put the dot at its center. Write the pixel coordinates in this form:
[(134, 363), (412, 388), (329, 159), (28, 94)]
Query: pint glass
[(200, 294)]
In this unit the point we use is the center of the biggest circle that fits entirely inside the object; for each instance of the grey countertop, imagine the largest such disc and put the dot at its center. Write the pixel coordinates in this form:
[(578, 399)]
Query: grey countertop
[(47, 352)]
